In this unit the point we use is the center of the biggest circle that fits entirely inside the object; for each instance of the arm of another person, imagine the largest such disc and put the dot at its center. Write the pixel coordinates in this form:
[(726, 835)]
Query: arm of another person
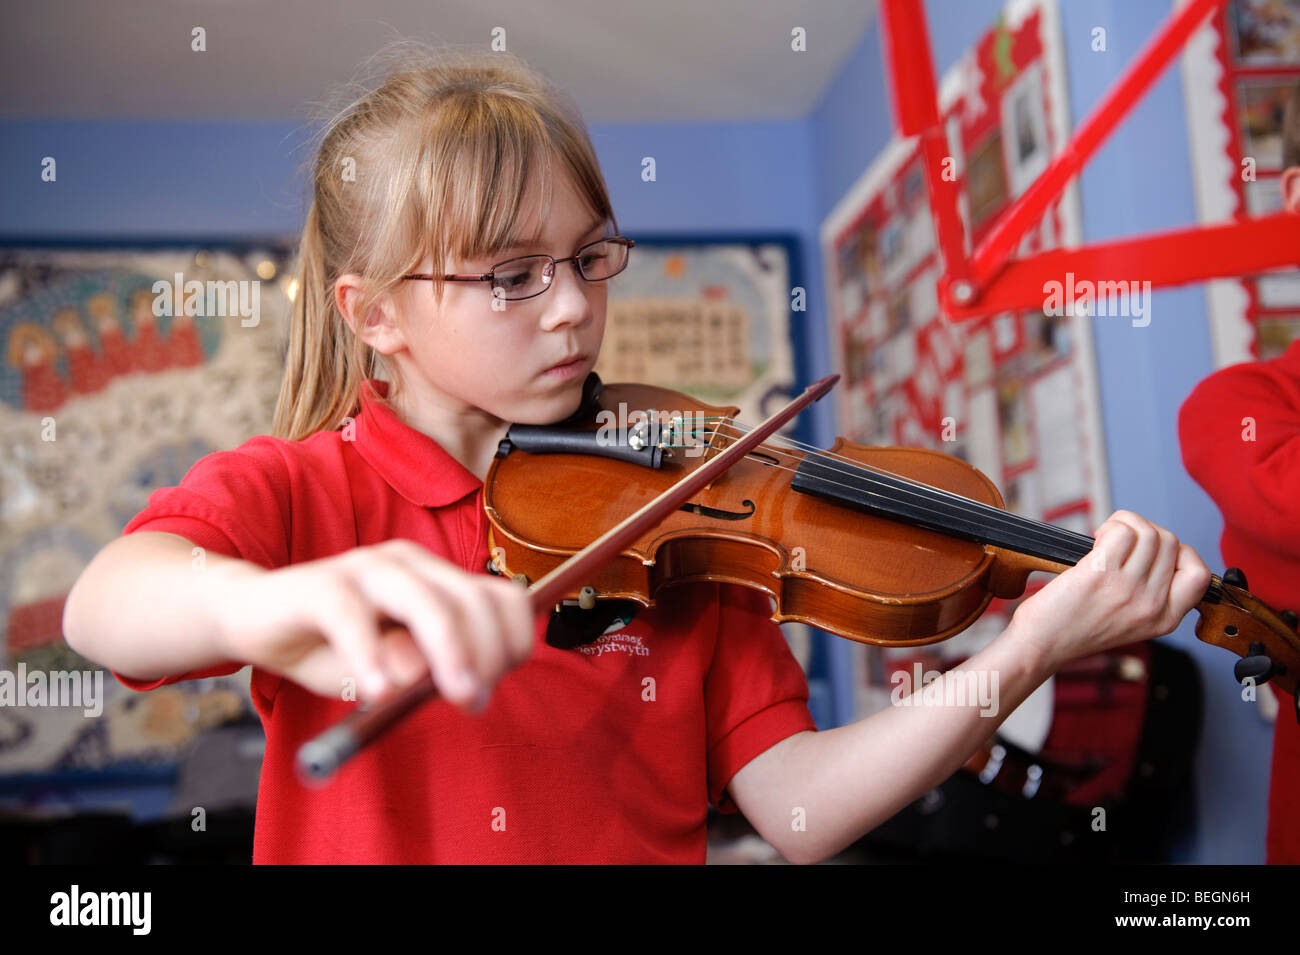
[(1239, 431)]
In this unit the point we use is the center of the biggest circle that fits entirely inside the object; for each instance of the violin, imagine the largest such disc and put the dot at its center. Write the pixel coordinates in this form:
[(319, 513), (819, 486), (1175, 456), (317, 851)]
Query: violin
[(643, 488)]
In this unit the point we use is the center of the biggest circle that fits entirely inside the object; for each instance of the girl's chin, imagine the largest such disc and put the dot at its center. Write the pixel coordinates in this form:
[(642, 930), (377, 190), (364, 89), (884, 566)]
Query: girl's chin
[(550, 409)]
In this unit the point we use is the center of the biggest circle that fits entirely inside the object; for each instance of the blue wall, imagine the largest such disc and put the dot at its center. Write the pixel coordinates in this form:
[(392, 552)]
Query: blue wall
[(240, 180)]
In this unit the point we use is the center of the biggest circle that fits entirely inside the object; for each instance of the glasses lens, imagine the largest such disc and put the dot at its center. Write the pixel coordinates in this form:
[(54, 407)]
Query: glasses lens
[(520, 278), (602, 259)]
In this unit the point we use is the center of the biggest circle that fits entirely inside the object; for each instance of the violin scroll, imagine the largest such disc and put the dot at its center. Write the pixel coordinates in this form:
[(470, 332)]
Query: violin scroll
[(1233, 618)]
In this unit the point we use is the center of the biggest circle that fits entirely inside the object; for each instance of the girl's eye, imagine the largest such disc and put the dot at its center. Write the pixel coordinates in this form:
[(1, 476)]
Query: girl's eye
[(514, 279)]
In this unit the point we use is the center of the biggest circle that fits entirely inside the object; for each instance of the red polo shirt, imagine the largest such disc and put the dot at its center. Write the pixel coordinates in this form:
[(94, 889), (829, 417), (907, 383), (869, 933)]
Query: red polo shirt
[(1256, 486), (578, 757)]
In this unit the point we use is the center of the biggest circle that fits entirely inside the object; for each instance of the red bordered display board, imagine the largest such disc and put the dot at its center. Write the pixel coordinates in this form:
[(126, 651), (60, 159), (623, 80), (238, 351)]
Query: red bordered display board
[(1239, 72), (1015, 393)]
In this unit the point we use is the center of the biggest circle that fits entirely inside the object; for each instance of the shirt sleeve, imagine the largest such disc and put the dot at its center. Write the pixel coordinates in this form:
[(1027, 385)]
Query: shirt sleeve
[(755, 692), (1254, 483), (234, 503)]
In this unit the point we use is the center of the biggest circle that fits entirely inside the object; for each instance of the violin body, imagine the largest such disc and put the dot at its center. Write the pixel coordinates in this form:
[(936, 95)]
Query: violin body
[(860, 575)]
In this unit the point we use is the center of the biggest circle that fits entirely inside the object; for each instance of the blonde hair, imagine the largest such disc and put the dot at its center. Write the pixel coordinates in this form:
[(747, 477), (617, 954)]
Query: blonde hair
[(434, 162)]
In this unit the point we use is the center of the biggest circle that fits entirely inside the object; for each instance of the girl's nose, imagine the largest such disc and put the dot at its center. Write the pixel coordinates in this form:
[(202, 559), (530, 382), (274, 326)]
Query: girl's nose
[(567, 295)]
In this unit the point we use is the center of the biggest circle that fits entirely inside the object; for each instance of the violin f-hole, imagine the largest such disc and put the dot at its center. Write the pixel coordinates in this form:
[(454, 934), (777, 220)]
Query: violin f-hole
[(705, 511)]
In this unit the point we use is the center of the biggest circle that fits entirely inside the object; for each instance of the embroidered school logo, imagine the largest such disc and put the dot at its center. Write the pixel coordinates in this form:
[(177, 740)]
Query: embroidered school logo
[(614, 642)]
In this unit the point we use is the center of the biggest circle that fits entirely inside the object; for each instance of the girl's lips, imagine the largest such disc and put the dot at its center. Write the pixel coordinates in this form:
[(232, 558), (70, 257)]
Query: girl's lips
[(566, 370)]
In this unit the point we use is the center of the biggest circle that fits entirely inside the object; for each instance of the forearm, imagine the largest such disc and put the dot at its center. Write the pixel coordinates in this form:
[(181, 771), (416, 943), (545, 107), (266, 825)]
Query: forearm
[(146, 608), (851, 779)]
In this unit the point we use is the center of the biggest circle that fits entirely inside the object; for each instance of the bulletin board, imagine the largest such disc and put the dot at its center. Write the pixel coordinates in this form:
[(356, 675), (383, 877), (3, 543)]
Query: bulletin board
[(1239, 73), (1014, 394), (709, 317), (106, 396)]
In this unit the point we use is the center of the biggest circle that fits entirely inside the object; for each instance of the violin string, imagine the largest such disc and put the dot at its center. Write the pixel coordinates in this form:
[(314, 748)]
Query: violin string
[(930, 490), (1215, 587), (822, 454), (1014, 525), (1017, 540)]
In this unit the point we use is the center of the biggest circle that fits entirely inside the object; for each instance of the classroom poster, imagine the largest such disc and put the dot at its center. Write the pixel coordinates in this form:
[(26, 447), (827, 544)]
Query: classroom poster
[(119, 378)]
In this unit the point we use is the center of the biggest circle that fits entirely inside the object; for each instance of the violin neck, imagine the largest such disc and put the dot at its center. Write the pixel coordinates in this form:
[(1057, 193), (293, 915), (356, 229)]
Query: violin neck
[(874, 492)]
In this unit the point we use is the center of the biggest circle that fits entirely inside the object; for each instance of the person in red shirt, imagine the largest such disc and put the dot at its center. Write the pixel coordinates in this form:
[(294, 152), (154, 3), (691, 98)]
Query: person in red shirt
[(418, 337), (1240, 436)]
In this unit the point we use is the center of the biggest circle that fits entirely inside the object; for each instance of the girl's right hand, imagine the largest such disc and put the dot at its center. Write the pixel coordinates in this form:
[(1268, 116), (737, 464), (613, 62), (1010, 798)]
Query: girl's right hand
[(326, 621)]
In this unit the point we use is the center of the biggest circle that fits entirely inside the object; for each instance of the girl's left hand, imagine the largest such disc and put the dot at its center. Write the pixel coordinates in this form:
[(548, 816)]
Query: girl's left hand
[(1138, 582)]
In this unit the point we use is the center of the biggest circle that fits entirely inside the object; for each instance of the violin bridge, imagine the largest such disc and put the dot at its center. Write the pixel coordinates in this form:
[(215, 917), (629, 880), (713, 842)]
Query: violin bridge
[(716, 444), (694, 435)]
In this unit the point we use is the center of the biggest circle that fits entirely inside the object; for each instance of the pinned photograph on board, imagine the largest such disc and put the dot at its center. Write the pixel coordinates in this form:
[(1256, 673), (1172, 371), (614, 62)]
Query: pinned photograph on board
[(986, 180), (1013, 416), (1261, 107), (1047, 338), (1024, 129), (1265, 31), (1273, 335)]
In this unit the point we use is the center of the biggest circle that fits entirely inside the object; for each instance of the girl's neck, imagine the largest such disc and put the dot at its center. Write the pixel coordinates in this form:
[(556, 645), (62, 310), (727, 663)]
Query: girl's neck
[(468, 434)]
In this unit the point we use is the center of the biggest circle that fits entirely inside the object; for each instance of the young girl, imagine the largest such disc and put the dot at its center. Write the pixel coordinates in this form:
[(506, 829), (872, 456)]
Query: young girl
[(291, 552)]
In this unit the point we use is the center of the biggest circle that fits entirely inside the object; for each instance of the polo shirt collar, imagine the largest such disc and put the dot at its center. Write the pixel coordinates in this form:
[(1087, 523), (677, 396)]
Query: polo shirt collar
[(412, 463)]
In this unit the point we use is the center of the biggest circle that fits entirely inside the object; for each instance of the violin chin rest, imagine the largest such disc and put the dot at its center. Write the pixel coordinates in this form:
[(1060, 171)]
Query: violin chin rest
[(571, 626)]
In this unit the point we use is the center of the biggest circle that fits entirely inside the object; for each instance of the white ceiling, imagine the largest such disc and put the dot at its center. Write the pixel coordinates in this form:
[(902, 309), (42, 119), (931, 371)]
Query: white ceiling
[(622, 60)]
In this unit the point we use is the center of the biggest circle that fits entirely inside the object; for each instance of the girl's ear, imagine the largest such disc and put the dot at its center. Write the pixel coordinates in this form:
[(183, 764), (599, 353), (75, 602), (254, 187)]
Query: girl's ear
[(380, 330)]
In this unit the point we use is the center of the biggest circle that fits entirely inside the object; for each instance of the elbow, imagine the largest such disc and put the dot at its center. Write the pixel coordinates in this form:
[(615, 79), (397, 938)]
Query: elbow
[(75, 633), (797, 857), (798, 849)]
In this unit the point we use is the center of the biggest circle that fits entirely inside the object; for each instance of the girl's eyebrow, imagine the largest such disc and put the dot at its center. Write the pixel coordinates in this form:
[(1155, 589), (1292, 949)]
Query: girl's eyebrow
[(532, 240)]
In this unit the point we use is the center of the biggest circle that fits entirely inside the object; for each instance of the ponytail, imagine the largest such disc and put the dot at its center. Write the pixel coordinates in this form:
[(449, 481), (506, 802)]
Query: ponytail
[(322, 378)]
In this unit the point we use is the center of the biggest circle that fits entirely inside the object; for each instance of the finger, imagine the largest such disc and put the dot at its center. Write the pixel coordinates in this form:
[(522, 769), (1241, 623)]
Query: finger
[(433, 620), (348, 624), (1112, 544), (1146, 544), (323, 670), (501, 619), (1191, 578), (482, 629), (518, 622), (402, 655), (1162, 569)]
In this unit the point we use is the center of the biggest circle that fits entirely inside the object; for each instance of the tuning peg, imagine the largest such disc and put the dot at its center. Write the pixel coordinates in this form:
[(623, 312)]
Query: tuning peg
[(1290, 618), (1256, 666), (1236, 577)]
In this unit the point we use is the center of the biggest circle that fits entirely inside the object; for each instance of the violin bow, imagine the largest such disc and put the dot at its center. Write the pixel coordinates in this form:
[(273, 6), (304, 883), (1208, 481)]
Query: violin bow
[(319, 758)]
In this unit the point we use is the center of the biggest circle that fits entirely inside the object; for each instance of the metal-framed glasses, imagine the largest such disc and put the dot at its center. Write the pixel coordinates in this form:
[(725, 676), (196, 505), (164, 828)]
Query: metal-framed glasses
[(530, 275)]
